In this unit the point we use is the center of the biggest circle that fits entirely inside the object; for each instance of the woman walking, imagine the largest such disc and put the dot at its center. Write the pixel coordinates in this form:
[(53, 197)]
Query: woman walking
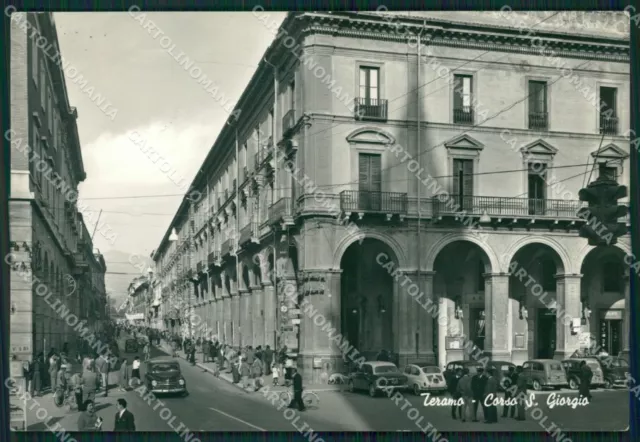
[(124, 375)]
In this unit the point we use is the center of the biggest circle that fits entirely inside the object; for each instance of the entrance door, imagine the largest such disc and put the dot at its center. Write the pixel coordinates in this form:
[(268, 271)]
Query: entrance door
[(610, 334), (477, 321), (537, 189), (370, 182), (546, 334)]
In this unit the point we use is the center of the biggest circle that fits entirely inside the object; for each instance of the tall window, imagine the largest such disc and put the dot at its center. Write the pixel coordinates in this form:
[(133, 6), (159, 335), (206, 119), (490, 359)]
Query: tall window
[(462, 99), (537, 188), (538, 105), (463, 182), (608, 114), (34, 61), (369, 83), (370, 181), (608, 172)]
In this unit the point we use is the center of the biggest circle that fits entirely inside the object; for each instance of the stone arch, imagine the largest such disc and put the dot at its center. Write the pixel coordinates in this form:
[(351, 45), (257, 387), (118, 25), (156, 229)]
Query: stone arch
[(563, 261), (435, 250), (371, 135), (582, 255), (360, 235)]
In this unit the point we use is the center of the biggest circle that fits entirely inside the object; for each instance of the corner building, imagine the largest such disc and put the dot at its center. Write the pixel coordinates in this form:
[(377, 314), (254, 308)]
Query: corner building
[(50, 244), (359, 127)]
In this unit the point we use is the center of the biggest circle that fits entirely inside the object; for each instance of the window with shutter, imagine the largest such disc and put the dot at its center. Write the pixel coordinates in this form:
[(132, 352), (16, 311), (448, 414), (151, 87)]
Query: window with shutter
[(463, 182), (608, 172), (538, 105), (462, 99), (370, 181), (537, 188)]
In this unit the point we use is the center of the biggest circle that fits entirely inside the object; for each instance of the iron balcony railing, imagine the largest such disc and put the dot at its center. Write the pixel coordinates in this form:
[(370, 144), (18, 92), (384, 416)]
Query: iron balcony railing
[(507, 207), (280, 209), (378, 202), (249, 231), (371, 108), (288, 121), (608, 125), (463, 115), (538, 120)]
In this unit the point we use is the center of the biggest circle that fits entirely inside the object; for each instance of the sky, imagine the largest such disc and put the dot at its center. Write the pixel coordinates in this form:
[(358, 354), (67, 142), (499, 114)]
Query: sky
[(155, 97)]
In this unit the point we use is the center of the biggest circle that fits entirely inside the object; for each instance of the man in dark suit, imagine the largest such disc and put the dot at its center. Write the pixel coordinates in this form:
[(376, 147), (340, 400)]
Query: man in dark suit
[(477, 387), (508, 381), (491, 393), (455, 395), (267, 358), (124, 418), (297, 391)]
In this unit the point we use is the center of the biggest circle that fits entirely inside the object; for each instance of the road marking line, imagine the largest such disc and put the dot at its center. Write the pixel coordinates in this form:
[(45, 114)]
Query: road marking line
[(238, 419)]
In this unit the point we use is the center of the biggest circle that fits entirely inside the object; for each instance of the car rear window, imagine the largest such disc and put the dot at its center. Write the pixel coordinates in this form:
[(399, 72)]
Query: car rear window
[(161, 368), (430, 370), (555, 366)]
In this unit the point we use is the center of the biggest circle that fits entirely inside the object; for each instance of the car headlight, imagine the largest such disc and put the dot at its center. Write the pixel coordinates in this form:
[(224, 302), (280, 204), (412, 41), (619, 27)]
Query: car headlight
[(154, 383), (181, 382)]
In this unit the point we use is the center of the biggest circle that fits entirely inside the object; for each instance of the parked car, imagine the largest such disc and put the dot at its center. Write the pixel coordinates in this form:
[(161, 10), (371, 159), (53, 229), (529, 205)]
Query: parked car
[(572, 369), (615, 371), (544, 373), (131, 346), (373, 376), (425, 377), (501, 371), (164, 376), (450, 369)]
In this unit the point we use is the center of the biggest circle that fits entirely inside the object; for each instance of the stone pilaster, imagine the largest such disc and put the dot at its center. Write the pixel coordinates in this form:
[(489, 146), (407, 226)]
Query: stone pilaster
[(257, 316), (320, 322), (496, 302), (270, 307), (235, 317), (568, 304), (403, 320), (626, 321), (426, 316), (246, 325)]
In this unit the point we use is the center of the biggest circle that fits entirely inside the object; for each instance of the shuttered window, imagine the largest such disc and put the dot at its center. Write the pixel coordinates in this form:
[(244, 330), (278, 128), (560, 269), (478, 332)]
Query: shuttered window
[(608, 172), (369, 83), (537, 97), (370, 181), (463, 178), (462, 92)]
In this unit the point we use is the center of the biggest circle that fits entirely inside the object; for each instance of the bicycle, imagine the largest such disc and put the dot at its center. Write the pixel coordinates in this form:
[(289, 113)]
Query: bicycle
[(309, 398), (65, 398)]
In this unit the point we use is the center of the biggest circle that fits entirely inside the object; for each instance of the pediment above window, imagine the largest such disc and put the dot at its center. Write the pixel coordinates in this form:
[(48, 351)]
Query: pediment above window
[(539, 148), (608, 153), (464, 142), (371, 135)]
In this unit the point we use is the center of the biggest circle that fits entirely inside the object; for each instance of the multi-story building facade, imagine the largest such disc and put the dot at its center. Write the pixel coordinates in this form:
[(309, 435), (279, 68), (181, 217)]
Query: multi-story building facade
[(456, 161), (48, 235)]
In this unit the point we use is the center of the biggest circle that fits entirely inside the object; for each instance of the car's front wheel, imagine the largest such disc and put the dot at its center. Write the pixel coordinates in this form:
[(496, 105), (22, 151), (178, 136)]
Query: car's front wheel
[(416, 389), (372, 391), (536, 385), (608, 383), (573, 384)]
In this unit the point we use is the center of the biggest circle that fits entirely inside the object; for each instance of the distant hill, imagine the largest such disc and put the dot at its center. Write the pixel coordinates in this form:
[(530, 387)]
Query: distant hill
[(121, 271)]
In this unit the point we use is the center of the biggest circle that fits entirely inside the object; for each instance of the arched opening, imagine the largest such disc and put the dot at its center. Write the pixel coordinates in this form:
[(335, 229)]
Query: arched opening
[(367, 297), (603, 300), (533, 292), (459, 285)]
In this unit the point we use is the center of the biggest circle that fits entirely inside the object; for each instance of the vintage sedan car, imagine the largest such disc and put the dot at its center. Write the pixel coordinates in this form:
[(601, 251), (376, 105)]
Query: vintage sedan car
[(616, 371), (164, 376), (375, 375), (131, 346), (544, 373), (425, 377), (453, 366), (572, 369), (501, 369)]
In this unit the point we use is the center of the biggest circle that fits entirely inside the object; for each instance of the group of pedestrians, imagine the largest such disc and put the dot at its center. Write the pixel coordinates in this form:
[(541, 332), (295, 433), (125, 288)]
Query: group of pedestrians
[(473, 391)]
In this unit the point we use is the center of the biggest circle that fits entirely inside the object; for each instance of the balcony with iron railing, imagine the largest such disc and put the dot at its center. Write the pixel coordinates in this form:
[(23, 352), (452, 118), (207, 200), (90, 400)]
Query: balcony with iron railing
[(370, 109), (538, 121), (463, 115), (249, 232), (373, 202), (280, 211), (608, 125)]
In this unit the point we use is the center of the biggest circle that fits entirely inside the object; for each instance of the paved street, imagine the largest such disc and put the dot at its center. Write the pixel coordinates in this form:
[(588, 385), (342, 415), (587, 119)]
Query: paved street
[(215, 404)]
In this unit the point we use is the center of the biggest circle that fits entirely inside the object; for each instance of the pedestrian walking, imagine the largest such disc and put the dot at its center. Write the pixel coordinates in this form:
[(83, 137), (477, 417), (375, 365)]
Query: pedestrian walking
[(509, 409), (477, 386), (585, 381), (39, 373), (103, 367), (125, 420), (466, 393), (53, 372), (288, 372), (235, 371), (245, 373), (456, 410), (146, 351), (192, 354), (256, 373), (89, 383), (297, 391), (27, 374), (490, 394), (521, 392), (275, 372), (123, 375), (267, 357), (250, 355), (135, 371), (88, 420), (206, 350)]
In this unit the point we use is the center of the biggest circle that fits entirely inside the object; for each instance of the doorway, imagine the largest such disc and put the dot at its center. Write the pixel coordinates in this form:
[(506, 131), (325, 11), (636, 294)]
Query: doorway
[(546, 334), (537, 189), (610, 334), (477, 329)]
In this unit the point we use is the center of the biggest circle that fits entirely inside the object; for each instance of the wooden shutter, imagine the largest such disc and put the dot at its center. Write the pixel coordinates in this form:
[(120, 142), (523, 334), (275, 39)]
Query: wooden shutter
[(376, 173), (467, 179), (363, 169), (457, 92), (457, 169)]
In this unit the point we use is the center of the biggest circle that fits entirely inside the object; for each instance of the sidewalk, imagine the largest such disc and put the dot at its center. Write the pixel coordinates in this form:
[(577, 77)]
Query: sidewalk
[(267, 380)]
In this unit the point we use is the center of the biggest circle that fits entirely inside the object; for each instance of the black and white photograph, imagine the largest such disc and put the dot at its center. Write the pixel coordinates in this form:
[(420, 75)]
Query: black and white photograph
[(296, 221)]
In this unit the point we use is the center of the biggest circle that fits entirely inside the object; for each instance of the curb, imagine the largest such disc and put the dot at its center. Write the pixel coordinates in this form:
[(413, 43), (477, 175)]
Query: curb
[(226, 379)]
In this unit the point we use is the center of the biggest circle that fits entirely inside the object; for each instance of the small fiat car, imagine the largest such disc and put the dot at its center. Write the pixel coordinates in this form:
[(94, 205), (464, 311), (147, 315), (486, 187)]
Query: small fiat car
[(424, 377), (164, 376), (375, 376)]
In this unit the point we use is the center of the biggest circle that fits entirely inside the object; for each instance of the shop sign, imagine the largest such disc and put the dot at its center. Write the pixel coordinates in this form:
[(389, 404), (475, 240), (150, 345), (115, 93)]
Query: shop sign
[(613, 314)]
